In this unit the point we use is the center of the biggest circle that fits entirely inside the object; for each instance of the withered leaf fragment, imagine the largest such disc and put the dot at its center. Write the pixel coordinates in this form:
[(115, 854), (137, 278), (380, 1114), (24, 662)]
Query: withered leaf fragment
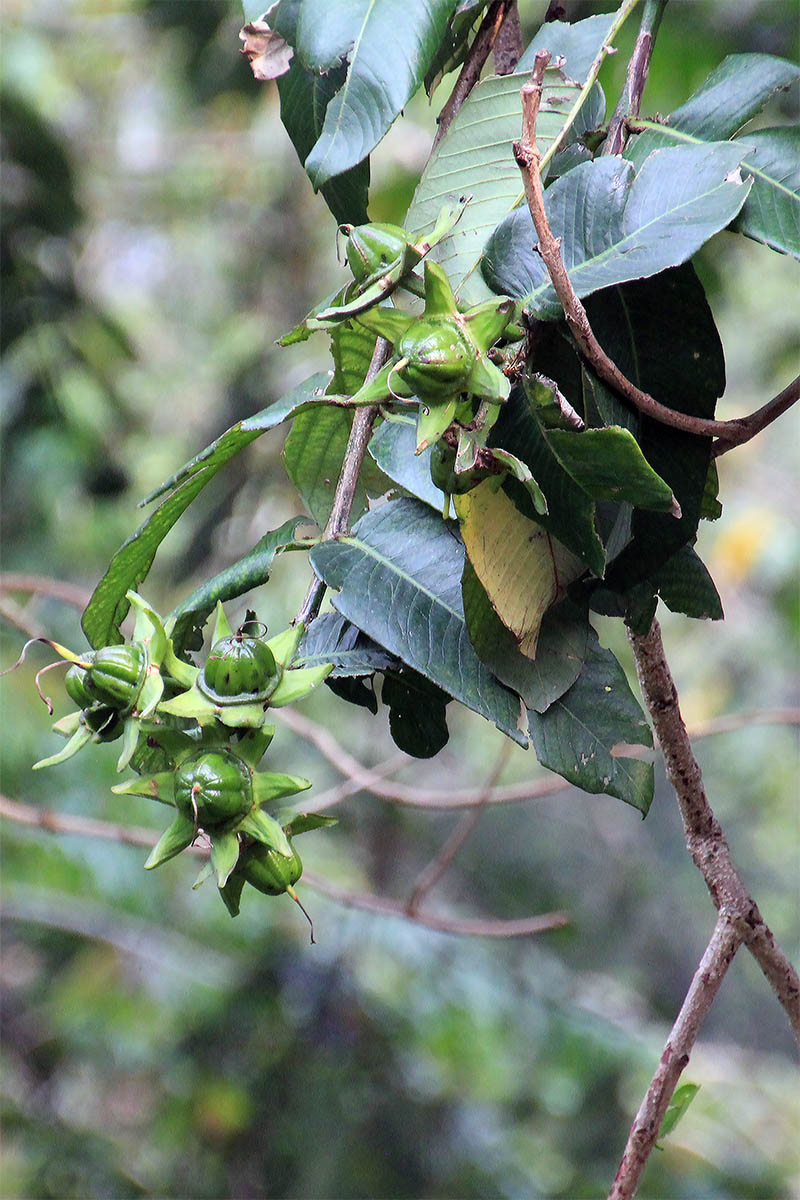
[(266, 51)]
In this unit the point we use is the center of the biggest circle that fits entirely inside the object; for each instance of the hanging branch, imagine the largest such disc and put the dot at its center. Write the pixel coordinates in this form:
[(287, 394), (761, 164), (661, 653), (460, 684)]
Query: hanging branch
[(526, 152), (636, 77), (705, 839), (347, 483), (719, 955), (475, 61)]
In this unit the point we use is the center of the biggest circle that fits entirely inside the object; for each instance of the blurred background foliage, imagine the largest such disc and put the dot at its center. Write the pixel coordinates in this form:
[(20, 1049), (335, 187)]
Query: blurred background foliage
[(158, 235)]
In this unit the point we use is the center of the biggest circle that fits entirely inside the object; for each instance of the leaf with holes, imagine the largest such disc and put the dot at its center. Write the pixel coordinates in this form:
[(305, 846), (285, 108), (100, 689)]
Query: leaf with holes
[(582, 735)]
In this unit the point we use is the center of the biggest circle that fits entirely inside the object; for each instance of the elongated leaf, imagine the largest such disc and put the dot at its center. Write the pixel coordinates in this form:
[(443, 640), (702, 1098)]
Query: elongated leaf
[(771, 213), (399, 579), (476, 157), (577, 44), (733, 93), (388, 49), (608, 465), (108, 605), (393, 446), (305, 97), (252, 570), (661, 333), (682, 1097), (617, 224), (559, 654), (578, 734), (571, 512), (523, 570)]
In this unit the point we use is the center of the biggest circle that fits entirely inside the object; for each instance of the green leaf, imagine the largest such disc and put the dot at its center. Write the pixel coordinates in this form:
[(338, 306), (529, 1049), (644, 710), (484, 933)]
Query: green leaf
[(733, 93), (252, 570), (307, 394), (313, 456), (224, 855), (617, 224), (560, 651), (388, 50), (608, 464), (570, 516), (661, 334), (579, 734), (298, 823), (331, 638), (305, 97), (393, 447), (180, 834), (454, 45), (108, 606), (685, 586), (475, 158), (682, 1097), (398, 578), (577, 44), (417, 714), (711, 507), (772, 210)]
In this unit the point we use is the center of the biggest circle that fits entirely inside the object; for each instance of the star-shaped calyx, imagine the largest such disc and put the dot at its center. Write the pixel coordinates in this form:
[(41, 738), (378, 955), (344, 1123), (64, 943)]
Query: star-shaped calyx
[(439, 356), (117, 687), (217, 791), (244, 675)]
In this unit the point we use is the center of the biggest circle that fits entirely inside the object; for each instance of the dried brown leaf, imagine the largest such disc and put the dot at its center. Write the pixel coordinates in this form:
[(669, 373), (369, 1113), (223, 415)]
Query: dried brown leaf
[(266, 51)]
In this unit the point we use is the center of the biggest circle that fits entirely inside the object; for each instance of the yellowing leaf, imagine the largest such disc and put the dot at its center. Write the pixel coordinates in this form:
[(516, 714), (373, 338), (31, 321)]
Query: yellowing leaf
[(522, 568)]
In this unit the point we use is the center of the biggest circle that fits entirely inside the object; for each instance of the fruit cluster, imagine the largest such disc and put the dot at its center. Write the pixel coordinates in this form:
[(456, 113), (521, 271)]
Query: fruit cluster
[(193, 737)]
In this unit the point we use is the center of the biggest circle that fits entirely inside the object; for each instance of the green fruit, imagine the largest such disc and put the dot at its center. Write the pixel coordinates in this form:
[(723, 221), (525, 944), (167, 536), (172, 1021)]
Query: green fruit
[(267, 870), (116, 675), (214, 788), (239, 669), (76, 683), (371, 248), (440, 358)]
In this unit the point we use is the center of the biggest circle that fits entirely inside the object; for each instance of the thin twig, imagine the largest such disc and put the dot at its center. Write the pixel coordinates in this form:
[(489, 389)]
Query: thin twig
[(704, 837), (347, 483), (52, 822), (433, 872), (719, 955), (465, 927), (370, 780), (602, 54), (508, 44), (526, 152), (59, 589), (470, 73), (636, 77), (17, 616)]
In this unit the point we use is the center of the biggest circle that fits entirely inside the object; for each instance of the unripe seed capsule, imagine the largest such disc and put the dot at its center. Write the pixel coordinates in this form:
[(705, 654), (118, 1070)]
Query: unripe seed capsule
[(214, 788)]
